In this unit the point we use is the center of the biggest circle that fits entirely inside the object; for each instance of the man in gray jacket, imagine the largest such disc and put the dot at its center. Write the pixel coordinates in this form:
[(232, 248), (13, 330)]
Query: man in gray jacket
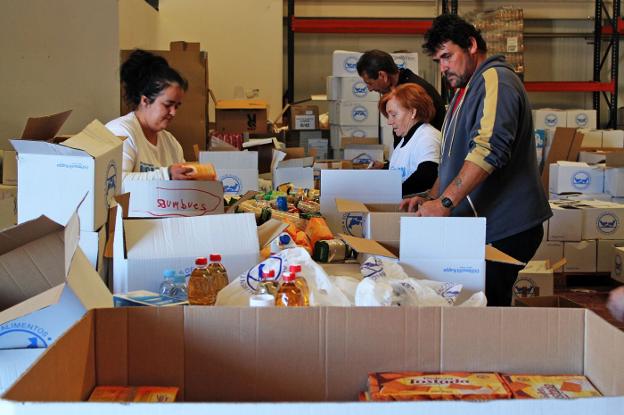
[(488, 164)]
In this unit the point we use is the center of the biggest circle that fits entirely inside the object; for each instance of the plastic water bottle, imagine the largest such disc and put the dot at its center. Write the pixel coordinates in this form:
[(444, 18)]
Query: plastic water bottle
[(180, 290), (167, 287)]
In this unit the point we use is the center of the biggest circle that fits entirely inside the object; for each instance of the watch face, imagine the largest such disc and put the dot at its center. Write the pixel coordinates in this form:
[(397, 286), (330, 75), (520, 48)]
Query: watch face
[(447, 203)]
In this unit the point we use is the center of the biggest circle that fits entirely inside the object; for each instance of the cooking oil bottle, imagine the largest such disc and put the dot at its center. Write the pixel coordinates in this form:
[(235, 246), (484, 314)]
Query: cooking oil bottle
[(217, 270), (301, 283), (288, 295), (201, 285)]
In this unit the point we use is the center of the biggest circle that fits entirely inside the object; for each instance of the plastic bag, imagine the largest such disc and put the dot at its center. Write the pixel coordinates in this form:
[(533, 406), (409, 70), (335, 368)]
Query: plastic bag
[(323, 291)]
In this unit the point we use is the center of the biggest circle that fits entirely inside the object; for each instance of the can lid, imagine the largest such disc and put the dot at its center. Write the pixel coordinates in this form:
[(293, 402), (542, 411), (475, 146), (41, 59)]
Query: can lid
[(215, 257), (201, 261), (169, 274), (295, 268), (288, 276)]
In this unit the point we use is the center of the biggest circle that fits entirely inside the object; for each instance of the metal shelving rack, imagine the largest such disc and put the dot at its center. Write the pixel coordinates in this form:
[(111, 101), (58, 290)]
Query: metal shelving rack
[(609, 32)]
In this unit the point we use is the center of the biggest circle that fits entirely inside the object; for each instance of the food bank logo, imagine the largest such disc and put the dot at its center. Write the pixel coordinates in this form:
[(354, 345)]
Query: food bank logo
[(525, 287), (400, 62), (359, 89), (551, 120), (250, 280), (350, 64), (111, 183), (581, 120), (581, 180), (352, 223), (359, 113), (607, 223), (231, 184)]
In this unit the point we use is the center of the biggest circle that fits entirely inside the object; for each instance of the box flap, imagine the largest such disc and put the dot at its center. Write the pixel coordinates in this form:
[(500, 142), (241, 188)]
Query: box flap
[(46, 127), (71, 237), (16, 236), (44, 299), (95, 139), (294, 152), (247, 160), (366, 246), (42, 147), (254, 142), (182, 46), (247, 196), (300, 162), (245, 104), (270, 230), (345, 206), (494, 255), (87, 284)]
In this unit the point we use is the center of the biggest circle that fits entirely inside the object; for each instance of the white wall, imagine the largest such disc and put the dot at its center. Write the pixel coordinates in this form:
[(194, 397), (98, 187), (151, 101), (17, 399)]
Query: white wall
[(58, 55), (243, 39)]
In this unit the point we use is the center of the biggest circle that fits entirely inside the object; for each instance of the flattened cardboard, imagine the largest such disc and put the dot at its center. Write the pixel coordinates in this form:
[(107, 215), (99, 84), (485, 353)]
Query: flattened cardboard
[(366, 246), (173, 198), (237, 170)]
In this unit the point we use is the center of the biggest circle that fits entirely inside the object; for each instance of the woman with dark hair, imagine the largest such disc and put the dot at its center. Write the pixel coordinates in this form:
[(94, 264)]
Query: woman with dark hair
[(409, 110), (154, 91)]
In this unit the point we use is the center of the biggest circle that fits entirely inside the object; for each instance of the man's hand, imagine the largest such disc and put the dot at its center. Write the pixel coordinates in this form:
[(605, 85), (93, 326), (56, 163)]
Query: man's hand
[(616, 303), (412, 204), (433, 208), (179, 172)]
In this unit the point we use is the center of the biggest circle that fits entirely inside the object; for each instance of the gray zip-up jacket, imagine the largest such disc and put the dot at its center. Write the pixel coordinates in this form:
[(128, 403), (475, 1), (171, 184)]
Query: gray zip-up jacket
[(493, 128)]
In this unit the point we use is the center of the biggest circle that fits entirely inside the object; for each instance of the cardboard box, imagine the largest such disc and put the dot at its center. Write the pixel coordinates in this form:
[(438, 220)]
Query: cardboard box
[(536, 279), (555, 301), (298, 171), (350, 88), (319, 147), (264, 147), (366, 186), (304, 117), (173, 198), (54, 178), (580, 256), (564, 145), (613, 138), (143, 248), (237, 170), (606, 254), (14, 362), (592, 157), (617, 270), (211, 340), (344, 63), (364, 153), (242, 115), (341, 135), (581, 119), (47, 283), (591, 138), (549, 250), (614, 181), (380, 221), (548, 118), (8, 212), (353, 113), (92, 245), (602, 220), (190, 125), (569, 176), (566, 224)]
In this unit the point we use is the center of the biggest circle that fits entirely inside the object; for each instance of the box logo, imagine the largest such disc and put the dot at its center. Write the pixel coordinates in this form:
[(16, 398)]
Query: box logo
[(359, 89), (607, 223), (231, 183), (37, 336), (551, 120), (350, 64), (111, 183), (359, 113), (400, 62), (352, 223), (362, 159), (249, 281), (581, 180), (525, 287), (581, 119), (358, 134)]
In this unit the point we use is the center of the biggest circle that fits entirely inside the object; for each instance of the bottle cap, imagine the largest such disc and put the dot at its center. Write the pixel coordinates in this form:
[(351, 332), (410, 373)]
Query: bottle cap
[(169, 274), (215, 257), (295, 268), (284, 239), (268, 274), (179, 277), (288, 276), (201, 261)]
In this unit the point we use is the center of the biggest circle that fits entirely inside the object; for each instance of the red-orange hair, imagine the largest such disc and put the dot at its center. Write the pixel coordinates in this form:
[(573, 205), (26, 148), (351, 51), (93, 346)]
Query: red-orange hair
[(410, 96)]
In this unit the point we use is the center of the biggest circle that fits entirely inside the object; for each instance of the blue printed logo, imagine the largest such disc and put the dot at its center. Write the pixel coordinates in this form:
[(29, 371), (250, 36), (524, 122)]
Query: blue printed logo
[(358, 134), (607, 223), (400, 62), (581, 120), (359, 113), (461, 270), (581, 180), (231, 183), (253, 277), (111, 183), (350, 64), (37, 336), (525, 287), (363, 159), (359, 89), (352, 223), (551, 120)]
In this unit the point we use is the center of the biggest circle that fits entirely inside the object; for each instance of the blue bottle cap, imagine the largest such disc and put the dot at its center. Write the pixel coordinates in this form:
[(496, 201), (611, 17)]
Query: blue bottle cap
[(284, 239), (169, 274)]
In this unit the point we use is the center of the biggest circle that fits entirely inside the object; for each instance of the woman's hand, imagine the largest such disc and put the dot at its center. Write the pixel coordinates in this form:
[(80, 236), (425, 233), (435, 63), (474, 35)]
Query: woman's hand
[(179, 171)]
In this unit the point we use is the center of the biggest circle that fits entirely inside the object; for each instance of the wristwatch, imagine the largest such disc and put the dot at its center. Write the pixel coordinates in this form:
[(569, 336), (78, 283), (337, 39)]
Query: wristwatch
[(447, 203)]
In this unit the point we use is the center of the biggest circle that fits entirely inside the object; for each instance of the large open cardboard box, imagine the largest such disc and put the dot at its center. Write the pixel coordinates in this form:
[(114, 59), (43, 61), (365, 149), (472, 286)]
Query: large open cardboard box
[(316, 360)]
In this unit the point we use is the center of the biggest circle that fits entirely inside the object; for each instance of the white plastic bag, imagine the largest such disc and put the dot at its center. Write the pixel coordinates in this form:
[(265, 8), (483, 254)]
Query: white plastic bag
[(323, 291)]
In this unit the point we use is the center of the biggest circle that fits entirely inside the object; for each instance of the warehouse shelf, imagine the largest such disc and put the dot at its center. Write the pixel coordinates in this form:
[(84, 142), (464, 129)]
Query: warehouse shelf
[(569, 86), (359, 25)]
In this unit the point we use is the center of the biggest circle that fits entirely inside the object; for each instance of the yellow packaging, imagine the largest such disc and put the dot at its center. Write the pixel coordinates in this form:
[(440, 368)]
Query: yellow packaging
[(134, 394), (550, 386), (413, 386)]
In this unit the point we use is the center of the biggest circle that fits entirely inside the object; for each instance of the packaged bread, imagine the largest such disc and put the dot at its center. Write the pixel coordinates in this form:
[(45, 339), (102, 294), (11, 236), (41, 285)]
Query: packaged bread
[(414, 386), (550, 386), (201, 171)]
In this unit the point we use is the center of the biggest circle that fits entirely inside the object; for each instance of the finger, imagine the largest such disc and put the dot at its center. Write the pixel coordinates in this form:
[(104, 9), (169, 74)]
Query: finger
[(413, 205)]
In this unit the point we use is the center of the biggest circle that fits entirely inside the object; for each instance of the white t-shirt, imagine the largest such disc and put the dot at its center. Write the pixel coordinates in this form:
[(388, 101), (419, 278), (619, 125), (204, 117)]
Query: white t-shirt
[(423, 146), (141, 159)]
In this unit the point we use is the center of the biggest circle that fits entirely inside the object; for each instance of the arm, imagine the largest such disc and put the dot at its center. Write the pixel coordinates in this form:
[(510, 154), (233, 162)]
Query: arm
[(422, 179)]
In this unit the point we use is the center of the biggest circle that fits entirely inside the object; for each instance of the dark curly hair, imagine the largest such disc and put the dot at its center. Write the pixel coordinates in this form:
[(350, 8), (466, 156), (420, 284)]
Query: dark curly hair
[(145, 74), (450, 27)]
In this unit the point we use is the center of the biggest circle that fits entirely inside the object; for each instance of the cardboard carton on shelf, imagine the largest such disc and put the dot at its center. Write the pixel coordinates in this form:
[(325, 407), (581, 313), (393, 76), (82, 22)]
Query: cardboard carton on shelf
[(201, 340), (237, 170), (53, 178), (536, 279), (241, 115)]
